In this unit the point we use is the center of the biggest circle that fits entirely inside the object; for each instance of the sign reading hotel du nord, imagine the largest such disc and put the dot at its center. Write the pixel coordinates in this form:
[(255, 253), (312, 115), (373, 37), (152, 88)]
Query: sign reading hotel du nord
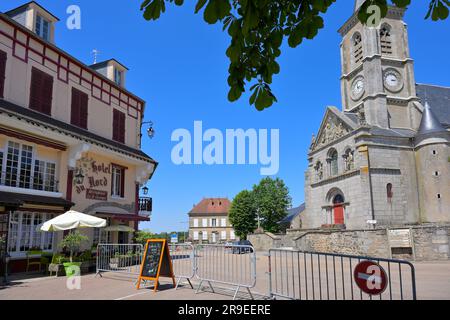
[(93, 181)]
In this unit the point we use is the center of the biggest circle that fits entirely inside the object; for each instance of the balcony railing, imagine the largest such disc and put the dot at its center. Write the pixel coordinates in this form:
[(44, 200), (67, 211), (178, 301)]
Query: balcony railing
[(41, 183), (145, 204)]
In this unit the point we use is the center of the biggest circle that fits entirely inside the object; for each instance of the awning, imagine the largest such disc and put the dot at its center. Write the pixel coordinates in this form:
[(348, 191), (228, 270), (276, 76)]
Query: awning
[(121, 216), (19, 199), (118, 228)]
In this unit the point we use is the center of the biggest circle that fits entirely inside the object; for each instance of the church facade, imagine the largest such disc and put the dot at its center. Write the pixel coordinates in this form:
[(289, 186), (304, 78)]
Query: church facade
[(383, 160)]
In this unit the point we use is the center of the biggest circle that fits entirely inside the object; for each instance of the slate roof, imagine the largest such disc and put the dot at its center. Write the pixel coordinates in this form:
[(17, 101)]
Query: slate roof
[(438, 98), (82, 134), (292, 213), (429, 123), (211, 207)]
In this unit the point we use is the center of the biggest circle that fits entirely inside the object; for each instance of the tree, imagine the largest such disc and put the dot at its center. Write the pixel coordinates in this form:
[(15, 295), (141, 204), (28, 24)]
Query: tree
[(73, 242), (272, 201), (257, 29), (243, 214)]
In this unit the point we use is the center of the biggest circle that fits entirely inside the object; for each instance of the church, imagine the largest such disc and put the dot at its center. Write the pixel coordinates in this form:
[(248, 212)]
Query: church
[(383, 160)]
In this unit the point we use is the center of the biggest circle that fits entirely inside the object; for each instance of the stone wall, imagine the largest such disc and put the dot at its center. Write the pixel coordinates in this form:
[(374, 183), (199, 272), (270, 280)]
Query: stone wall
[(431, 242)]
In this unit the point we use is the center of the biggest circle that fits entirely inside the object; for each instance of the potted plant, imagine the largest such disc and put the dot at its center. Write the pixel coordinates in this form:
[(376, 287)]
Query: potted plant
[(72, 242)]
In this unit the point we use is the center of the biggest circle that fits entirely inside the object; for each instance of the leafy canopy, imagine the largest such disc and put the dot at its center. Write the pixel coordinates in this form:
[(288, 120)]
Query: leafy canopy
[(272, 201), (258, 27), (243, 214)]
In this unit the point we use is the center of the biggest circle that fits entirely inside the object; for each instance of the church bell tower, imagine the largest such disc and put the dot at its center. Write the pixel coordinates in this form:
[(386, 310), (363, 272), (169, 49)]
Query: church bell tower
[(377, 72)]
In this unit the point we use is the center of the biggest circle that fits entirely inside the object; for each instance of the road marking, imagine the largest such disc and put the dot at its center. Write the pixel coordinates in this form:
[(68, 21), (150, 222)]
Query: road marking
[(131, 295)]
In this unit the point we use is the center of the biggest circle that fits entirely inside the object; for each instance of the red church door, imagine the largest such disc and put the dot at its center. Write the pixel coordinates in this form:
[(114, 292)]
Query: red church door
[(338, 212), (338, 209)]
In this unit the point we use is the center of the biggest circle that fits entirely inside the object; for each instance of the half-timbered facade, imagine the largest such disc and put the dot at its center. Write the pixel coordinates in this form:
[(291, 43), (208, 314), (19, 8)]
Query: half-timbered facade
[(70, 137)]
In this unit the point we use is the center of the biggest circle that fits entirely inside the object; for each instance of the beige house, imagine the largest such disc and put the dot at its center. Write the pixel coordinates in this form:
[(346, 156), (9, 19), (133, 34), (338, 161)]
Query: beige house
[(209, 222), (70, 137)]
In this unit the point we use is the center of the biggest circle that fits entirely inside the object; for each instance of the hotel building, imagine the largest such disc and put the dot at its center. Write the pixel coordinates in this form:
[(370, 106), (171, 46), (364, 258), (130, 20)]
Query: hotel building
[(70, 138)]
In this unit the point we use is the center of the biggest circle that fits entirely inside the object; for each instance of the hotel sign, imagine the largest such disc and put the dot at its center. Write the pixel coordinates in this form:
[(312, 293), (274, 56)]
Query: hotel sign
[(96, 194)]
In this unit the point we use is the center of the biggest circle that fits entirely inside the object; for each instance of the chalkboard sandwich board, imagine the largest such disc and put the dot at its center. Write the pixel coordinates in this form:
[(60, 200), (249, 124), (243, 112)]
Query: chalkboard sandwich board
[(156, 263)]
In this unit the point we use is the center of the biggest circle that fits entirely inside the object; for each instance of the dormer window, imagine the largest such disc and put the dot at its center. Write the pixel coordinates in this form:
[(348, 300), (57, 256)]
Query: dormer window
[(42, 28), (118, 75)]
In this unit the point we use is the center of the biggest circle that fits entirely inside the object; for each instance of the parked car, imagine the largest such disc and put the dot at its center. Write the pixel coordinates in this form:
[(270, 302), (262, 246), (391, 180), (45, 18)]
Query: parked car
[(244, 249)]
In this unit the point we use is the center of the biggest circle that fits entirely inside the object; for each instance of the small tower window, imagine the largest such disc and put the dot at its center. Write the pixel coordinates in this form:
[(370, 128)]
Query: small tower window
[(439, 196), (389, 192), (385, 40), (436, 173), (434, 152), (357, 47)]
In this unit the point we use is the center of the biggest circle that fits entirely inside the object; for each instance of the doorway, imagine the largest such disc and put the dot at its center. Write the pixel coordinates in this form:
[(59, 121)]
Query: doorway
[(338, 209)]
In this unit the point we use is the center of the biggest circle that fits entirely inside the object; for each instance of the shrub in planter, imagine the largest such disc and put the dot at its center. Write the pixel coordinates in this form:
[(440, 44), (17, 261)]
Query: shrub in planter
[(72, 242)]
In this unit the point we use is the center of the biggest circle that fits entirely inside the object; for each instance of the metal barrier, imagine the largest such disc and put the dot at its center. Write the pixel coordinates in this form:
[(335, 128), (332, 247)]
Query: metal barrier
[(232, 265), (302, 275), (119, 258), (183, 262)]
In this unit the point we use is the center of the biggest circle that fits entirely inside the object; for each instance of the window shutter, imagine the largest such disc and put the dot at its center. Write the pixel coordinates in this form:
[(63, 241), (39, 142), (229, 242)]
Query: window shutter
[(2, 73), (79, 108), (118, 126), (122, 182), (75, 115), (41, 91)]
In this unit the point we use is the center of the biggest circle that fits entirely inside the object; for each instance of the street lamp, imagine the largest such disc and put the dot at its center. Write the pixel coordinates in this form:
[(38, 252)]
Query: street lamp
[(79, 177), (145, 190), (150, 129)]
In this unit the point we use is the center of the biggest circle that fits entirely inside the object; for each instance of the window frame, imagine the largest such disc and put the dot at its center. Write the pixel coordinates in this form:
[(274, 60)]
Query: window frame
[(31, 181), (117, 191), (47, 239), (43, 23)]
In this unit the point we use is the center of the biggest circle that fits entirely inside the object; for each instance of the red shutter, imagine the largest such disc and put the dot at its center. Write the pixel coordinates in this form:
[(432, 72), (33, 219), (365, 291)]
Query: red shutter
[(41, 91), (74, 112), (84, 110), (2, 72), (79, 108), (118, 126)]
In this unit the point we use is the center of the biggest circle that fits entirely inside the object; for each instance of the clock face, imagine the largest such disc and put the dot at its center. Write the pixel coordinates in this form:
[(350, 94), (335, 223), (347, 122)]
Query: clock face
[(392, 80), (358, 88)]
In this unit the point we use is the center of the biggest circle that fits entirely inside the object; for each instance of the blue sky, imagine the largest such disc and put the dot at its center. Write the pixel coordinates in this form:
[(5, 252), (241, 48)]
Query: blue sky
[(178, 65)]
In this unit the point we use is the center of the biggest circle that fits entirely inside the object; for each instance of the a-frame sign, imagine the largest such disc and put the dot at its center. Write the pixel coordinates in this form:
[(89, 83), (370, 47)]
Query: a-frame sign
[(156, 263)]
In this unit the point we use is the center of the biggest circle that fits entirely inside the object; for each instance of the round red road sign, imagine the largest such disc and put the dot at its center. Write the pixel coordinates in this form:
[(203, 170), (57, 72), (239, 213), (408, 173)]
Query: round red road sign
[(370, 277)]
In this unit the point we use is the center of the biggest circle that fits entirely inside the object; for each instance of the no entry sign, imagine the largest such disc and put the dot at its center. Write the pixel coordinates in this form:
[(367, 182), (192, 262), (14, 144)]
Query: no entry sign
[(370, 277)]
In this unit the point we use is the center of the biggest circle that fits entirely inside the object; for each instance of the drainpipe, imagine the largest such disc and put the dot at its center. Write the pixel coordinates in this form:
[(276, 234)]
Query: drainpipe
[(370, 184)]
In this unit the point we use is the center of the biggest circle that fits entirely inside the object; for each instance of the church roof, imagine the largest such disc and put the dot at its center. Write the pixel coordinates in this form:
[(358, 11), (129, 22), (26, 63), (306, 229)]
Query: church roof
[(292, 213), (439, 100), (429, 123)]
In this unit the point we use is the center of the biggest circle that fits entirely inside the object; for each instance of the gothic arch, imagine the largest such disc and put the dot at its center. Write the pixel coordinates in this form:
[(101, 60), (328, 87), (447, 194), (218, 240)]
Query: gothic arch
[(332, 194), (386, 39)]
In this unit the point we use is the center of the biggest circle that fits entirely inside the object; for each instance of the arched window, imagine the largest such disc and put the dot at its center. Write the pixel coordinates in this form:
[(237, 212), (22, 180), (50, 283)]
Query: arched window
[(389, 192), (385, 40), (333, 161), (357, 47)]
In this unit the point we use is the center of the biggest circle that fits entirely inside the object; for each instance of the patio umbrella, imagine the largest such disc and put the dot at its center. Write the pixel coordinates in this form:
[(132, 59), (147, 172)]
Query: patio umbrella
[(71, 220)]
